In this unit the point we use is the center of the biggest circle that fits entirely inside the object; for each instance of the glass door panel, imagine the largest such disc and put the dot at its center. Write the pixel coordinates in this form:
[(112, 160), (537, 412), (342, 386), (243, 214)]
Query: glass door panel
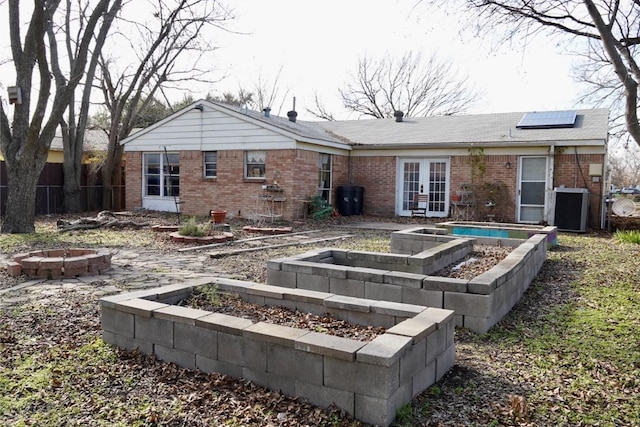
[(532, 189)]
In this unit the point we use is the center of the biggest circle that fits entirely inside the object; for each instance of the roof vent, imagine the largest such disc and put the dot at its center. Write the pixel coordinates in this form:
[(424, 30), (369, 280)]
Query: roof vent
[(267, 111), (292, 115), (398, 115)]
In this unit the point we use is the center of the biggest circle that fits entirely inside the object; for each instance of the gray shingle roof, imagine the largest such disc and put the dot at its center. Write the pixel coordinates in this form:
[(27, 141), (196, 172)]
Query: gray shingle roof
[(499, 128)]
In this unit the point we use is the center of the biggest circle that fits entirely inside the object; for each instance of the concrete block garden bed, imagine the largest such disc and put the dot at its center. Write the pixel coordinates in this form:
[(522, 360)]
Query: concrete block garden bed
[(369, 380), (478, 303)]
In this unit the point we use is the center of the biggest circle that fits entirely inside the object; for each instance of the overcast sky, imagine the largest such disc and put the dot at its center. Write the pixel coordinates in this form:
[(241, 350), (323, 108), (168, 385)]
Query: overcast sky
[(317, 44)]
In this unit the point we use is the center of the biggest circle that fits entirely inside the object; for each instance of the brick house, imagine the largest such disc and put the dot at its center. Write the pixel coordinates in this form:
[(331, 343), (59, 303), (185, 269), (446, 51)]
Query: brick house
[(506, 167)]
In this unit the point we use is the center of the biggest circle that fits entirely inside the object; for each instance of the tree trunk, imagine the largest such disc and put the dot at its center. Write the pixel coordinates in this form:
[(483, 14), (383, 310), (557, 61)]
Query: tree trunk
[(22, 182), (72, 189)]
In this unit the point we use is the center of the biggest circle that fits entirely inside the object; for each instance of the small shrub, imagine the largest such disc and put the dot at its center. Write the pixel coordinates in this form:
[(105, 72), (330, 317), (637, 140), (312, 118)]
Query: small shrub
[(192, 228), (628, 236)]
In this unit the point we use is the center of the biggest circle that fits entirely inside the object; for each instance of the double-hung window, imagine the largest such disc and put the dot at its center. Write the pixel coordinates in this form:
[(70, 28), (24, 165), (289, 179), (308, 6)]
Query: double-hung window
[(161, 174), (324, 178), (254, 162), (210, 160)]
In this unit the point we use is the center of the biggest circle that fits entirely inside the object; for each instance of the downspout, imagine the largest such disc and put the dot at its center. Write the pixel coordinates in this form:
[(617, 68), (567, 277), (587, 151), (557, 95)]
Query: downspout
[(550, 213)]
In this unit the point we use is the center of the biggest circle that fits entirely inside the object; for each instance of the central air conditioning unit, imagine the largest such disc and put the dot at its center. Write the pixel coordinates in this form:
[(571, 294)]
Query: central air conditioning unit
[(570, 209)]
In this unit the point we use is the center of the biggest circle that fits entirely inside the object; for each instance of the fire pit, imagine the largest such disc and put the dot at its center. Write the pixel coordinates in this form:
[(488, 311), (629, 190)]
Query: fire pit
[(58, 263)]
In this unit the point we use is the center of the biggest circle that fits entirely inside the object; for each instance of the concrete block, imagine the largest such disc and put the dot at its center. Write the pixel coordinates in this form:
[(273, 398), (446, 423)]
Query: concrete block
[(396, 309), (329, 345), (413, 361), (424, 378), (382, 292), (154, 330), (312, 282), (323, 396), (477, 324), (179, 357), (384, 350), (211, 365), (416, 328), (266, 291), (370, 319), (362, 378), (140, 307), (348, 303), (423, 297), (365, 274), (445, 361), (304, 267), (174, 292), (270, 381), (224, 323), (179, 314), (297, 364), (285, 279), (255, 354), (231, 349), (305, 295), (196, 340), (404, 279), (117, 322), (437, 315), (381, 412), (436, 343), (277, 334), (450, 284), (468, 304), (348, 287), (232, 285), (127, 343)]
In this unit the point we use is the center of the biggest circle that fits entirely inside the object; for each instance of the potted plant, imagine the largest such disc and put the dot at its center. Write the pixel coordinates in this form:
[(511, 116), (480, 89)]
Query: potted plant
[(218, 216)]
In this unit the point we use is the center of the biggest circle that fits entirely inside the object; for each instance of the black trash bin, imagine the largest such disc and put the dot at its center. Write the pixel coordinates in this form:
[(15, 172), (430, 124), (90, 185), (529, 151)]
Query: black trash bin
[(358, 200), (349, 200)]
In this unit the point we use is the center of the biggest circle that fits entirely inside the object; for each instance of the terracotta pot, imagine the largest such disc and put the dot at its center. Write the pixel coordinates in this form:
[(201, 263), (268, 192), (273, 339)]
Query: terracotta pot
[(456, 198), (218, 216)]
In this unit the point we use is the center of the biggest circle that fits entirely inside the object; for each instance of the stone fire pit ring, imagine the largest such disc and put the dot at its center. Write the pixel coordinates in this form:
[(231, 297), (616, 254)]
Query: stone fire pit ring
[(60, 263)]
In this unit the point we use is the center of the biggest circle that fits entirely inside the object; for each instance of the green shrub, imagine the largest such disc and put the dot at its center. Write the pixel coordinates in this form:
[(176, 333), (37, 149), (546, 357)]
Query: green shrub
[(628, 236), (192, 228)]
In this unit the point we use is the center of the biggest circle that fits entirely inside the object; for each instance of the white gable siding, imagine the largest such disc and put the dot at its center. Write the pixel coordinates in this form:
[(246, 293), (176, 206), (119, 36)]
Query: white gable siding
[(208, 131)]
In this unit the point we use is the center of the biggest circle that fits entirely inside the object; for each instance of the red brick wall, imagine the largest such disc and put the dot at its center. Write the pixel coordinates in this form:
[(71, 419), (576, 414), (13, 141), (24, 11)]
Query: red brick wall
[(298, 176), (378, 177), (133, 180)]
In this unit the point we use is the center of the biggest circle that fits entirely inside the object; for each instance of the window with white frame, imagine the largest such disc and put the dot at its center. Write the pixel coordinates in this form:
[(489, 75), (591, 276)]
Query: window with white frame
[(324, 179), (210, 160), (161, 174), (255, 164)]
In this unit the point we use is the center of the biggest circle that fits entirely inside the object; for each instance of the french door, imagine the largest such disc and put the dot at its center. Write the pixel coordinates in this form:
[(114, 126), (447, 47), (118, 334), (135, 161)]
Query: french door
[(532, 185), (426, 176)]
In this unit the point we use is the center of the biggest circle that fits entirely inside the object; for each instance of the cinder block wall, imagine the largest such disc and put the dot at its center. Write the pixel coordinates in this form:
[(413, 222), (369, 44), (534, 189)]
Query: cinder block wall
[(478, 303), (369, 380)]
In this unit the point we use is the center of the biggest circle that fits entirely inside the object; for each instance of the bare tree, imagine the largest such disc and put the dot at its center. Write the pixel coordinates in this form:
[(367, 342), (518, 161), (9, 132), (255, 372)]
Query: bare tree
[(409, 84), (607, 29), (163, 49), (74, 126), (320, 111), (25, 144)]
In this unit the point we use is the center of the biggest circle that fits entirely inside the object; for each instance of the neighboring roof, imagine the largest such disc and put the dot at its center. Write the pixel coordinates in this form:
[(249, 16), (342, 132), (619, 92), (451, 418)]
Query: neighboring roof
[(94, 140), (490, 129)]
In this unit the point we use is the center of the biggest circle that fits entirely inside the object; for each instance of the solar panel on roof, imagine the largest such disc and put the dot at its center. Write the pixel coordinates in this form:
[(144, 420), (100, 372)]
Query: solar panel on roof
[(547, 119)]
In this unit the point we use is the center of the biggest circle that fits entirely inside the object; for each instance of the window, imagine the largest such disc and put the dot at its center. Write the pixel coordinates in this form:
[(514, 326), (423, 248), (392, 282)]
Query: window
[(210, 164), (255, 164), (161, 174), (324, 180)]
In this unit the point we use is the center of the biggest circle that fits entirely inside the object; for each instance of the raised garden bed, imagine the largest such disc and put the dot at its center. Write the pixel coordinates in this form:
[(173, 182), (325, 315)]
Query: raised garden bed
[(479, 302), (369, 380)]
